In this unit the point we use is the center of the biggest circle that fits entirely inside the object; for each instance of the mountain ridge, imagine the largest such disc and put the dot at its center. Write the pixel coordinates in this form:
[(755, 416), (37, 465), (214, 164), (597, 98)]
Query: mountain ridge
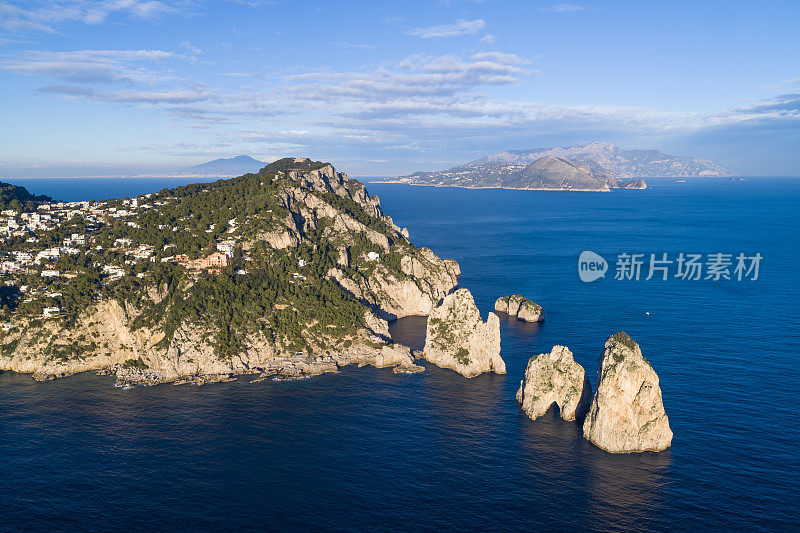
[(626, 163), (605, 163), (226, 167)]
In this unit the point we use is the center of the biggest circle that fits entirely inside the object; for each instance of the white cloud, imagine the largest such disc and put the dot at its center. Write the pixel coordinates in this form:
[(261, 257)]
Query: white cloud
[(171, 97), (420, 104), (344, 44), (147, 9), (501, 58), (45, 16), (415, 76), (460, 27), (564, 8), (488, 38), (86, 66), (190, 48)]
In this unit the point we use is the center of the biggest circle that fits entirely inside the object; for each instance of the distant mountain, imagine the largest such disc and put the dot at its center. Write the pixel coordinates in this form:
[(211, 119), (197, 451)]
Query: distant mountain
[(548, 173), (224, 167), (623, 163), (559, 174), (18, 198), (604, 163)]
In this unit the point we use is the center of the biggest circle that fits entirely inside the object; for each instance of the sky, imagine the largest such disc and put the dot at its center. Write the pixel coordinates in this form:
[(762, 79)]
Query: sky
[(91, 87)]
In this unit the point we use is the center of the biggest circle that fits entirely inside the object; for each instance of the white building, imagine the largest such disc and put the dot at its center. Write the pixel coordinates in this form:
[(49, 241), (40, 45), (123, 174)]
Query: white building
[(49, 254), (227, 247), (24, 257), (10, 266), (113, 272)]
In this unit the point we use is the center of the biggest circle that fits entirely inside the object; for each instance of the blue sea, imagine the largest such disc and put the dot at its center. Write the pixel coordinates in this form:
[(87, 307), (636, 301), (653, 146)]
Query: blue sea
[(369, 450)]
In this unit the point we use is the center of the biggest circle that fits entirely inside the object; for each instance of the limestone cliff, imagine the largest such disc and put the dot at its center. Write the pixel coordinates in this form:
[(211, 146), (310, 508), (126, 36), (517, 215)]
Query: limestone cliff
[(316, 269), (627, 413), (555, 378), (420, 284), (520, 307), (458, 339)]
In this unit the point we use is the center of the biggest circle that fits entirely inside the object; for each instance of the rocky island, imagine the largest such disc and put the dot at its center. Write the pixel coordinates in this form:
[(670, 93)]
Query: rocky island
[(627, 413), (458, 339), (518, 306), (289, 271), (555, 379)]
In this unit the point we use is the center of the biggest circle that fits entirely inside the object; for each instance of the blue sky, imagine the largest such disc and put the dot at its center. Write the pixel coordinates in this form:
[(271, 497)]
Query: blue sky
[(380, 88)]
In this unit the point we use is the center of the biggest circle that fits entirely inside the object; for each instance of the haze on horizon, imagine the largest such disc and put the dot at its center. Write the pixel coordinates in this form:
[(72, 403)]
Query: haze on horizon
[(137, 86)]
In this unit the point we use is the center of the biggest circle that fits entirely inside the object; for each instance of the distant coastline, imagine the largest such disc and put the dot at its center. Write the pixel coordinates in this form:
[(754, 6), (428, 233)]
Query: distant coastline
[(475, 187)]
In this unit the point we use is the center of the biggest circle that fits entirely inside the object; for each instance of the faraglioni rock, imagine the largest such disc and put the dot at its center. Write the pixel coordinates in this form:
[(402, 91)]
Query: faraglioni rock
[(627, 413), (520, 307), (555, 378), (458, 339)]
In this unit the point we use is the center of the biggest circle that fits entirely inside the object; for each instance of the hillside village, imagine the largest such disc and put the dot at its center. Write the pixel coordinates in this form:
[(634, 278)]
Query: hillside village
[(44, 248), (30, 251)]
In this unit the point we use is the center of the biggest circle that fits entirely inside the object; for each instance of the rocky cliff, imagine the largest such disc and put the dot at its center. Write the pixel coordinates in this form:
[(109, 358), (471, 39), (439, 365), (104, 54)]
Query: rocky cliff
[(555, 378), (627, 413), (458, 339), (317, 269), (520, 307)]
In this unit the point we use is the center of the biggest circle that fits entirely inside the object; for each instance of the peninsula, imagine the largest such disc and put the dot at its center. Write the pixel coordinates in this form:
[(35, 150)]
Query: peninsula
[(591, 167), (290, 271)]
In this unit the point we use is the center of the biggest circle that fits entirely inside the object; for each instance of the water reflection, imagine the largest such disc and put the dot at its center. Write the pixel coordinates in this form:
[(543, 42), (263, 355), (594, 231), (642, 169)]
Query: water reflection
[(626, 491)]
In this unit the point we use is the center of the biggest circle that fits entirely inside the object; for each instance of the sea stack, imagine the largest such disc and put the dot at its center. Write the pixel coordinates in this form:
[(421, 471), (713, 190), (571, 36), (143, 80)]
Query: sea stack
[(520, 307), (555, 378), (627, 413), (458, 339)]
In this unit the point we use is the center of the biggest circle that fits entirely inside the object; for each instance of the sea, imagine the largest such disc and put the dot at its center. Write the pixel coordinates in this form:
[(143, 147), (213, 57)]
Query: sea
[(368, 450)]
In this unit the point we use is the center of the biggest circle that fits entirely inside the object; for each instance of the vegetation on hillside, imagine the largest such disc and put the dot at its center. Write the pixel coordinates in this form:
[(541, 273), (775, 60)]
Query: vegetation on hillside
[(18, 198), (283, 296)]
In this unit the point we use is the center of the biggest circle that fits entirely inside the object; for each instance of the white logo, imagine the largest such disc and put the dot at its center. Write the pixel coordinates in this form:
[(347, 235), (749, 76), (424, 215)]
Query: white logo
[(591, 266)]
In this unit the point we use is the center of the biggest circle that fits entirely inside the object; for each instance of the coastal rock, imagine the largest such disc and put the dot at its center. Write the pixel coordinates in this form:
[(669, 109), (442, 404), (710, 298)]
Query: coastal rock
[(408, 369), (423, 281), (520, 307), (555, 378), (379, 326), (458, 339), (627, 413), (393, 355), (632, 184)]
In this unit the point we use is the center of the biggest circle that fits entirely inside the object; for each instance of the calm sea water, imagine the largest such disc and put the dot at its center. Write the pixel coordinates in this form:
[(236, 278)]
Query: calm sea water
[(366, 449)]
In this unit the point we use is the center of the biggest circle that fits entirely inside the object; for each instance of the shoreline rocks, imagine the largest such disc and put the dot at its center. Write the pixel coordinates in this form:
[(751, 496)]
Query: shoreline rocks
[(627, 413), (555, 378), (520, 307), (457, 338)]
